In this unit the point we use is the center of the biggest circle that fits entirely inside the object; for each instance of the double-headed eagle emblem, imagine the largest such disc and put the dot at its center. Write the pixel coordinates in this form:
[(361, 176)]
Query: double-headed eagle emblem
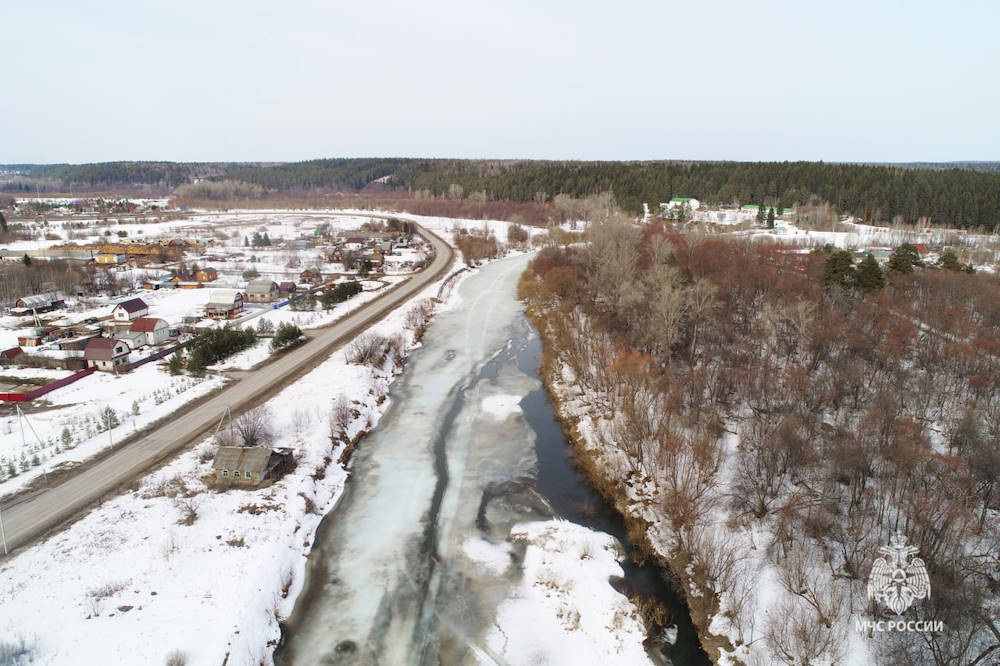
[(895, 583)]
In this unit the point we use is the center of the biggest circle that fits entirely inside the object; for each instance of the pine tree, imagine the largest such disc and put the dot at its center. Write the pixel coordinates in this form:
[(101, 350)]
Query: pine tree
[(839, 269), (770, 218), (904, 259), (949, 261), (3, 222), (26, 260), (246, 242), (266, 241), (870, 274), (760, 214)]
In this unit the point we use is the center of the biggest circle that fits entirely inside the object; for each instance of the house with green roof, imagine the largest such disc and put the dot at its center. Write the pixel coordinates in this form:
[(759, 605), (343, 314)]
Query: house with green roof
[(680, 202)]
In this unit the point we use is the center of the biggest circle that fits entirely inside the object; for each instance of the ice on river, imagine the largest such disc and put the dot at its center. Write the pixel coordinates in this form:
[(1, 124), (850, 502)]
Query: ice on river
[(413, 565), (501, 406)]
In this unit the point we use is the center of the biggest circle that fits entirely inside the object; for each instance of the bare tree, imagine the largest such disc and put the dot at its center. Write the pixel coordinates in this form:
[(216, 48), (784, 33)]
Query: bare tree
[(253, 427)]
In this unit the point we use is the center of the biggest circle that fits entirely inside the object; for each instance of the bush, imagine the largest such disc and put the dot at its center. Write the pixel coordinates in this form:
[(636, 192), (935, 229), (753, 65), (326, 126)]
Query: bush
[(176, 658), (286, 334), (368, 349), (340, 293), (251, 274)]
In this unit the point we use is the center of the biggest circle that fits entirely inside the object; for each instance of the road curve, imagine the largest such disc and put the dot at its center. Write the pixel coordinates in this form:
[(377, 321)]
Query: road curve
[(48, 509)]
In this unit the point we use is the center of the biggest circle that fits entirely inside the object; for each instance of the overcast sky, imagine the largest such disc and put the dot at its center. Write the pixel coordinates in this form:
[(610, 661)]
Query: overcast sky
[(764, 80)]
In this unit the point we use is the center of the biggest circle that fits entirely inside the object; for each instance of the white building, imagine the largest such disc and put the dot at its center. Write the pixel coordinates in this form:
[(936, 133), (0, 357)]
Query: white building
[(150, 331), (130, 310)]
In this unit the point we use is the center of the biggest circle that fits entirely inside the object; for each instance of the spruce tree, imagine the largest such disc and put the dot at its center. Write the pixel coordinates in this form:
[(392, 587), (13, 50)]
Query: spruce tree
[(760, 214), (870, 274), (3, 222), (770, 218)]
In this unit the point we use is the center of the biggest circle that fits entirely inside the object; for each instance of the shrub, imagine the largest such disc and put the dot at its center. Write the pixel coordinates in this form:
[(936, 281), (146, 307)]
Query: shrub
[(286, 334), (176, 658), (367, 349)]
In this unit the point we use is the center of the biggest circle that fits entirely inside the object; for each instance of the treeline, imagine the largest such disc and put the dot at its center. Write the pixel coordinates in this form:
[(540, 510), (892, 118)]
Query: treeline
[(954, 197), (165, 175), (337, 174), (790, 423)]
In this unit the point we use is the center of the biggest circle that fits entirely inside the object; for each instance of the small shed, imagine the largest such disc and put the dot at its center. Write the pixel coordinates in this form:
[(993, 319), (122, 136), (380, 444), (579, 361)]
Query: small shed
[(252, 465), (286, 288), (130, 310), (8, 355)]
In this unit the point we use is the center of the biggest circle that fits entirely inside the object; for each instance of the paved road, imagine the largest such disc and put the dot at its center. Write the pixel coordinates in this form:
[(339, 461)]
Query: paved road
[(49, 508)]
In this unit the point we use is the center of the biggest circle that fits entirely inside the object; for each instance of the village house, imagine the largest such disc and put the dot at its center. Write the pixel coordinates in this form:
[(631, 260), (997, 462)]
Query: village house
[(250, 466), (224, 304), (152, 331), (106, 354), (208, 274), (262, 291), (130, 310), (286, 288), (680, 202), (310, 276)]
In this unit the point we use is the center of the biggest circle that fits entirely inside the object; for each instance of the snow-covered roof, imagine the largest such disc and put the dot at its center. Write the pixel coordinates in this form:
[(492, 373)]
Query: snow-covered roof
[(222, 297)]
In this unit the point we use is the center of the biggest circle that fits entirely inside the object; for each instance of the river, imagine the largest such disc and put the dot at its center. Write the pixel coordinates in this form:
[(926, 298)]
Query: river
[(468, 448)]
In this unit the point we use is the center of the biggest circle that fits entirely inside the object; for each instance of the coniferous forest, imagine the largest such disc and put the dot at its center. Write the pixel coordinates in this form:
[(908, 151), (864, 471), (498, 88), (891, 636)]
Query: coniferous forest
[(948, 196)]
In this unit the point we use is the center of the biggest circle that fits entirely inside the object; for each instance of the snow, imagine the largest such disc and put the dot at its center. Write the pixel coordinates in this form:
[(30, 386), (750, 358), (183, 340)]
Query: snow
[(226, 577), (77, 408), (501, 406), (495, 558), (565, 611)]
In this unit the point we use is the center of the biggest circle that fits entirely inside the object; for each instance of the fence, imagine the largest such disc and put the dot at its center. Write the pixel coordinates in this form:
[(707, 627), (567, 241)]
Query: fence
[(42, 390)]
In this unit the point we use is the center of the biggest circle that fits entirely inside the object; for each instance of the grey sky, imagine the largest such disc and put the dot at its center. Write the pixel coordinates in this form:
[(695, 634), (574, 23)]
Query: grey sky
[(213, 80)]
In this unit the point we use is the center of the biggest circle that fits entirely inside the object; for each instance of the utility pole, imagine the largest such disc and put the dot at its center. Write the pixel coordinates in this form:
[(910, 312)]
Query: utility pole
[(21, 420), (3, 536)]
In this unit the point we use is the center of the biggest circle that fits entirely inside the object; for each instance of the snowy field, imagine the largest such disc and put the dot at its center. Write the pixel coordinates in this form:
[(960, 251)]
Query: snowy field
[(74, 427)]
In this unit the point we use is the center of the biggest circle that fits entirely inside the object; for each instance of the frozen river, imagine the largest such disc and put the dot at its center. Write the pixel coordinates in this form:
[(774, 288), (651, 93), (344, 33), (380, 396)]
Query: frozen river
[(468, 448)]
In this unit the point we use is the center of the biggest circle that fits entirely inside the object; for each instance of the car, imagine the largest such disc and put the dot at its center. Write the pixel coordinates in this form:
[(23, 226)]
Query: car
[(91, 320)]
